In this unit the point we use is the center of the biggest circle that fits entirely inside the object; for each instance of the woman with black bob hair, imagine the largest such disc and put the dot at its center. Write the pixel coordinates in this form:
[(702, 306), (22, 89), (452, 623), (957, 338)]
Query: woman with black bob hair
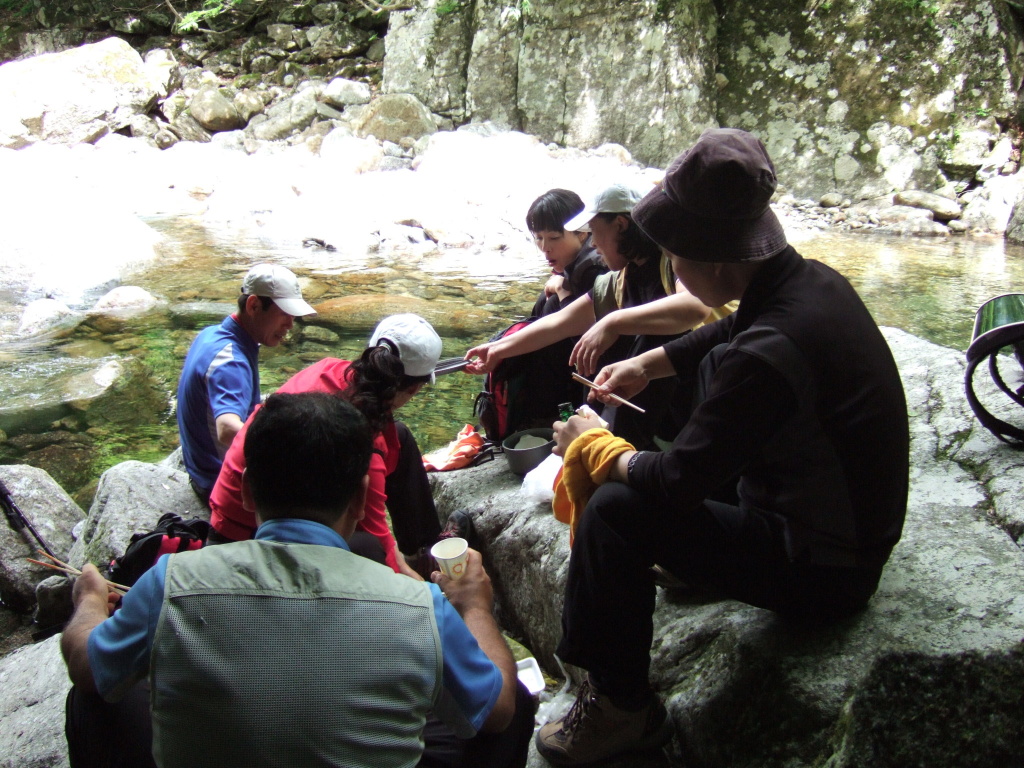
[(636, 306), (400, 358)]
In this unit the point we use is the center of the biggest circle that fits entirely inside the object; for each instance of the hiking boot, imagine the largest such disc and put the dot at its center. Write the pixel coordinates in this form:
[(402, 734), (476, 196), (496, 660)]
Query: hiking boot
[(594, 729), (460, 524)]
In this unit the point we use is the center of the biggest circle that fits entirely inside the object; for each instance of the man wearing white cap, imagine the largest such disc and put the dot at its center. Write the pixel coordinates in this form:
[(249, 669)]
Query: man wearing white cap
[(220, 380)]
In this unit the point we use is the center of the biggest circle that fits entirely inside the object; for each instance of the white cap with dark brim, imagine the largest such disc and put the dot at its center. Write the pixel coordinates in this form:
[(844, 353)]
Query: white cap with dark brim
[(280, 284)]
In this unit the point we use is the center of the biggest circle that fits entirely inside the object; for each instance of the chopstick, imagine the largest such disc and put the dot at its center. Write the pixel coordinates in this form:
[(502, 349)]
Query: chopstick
[(63, 567), (616, 398)]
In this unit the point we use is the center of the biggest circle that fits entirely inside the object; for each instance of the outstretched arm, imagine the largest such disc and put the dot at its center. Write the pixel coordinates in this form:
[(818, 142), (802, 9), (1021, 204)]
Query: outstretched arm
[(571, 321), (673, 314)]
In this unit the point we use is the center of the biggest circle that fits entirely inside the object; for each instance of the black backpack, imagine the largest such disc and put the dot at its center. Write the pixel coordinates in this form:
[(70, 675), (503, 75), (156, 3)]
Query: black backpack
[(172, 534), (525, 391)]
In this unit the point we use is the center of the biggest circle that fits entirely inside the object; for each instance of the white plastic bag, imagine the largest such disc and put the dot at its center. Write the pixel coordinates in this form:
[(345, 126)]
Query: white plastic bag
[(539, 482)]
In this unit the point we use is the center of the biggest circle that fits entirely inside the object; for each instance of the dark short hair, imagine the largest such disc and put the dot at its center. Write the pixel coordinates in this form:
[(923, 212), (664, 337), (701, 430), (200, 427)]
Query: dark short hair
[(550, 211), (266, 301), (633, 244), (374, 380), (306, 455)]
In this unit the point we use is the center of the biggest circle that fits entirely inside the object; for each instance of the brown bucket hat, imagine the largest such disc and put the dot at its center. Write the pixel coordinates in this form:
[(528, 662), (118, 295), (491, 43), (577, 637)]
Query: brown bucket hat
[(713, 202)]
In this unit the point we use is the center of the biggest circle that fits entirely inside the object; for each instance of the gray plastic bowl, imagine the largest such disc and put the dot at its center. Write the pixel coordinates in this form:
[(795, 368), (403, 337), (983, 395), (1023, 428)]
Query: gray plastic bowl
[(521, 461)]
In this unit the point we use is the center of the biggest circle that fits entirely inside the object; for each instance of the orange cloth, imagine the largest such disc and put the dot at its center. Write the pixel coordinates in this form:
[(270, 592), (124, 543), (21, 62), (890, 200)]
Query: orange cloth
[(586, 465), (458, 453)]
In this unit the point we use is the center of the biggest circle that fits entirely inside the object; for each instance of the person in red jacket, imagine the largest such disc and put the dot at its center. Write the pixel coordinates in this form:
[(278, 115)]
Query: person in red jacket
[(400, 358)]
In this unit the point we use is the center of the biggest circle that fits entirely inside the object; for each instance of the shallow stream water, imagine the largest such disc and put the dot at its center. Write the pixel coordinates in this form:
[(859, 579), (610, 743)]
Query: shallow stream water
[(930, 288)]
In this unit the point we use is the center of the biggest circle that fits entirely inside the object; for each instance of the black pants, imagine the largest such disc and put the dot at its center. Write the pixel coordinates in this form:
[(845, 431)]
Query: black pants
[(607, 624), (413, 514), (104, 735)]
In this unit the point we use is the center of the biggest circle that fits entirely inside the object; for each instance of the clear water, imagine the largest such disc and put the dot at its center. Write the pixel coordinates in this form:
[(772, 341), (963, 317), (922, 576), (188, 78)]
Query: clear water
[(930, 288)]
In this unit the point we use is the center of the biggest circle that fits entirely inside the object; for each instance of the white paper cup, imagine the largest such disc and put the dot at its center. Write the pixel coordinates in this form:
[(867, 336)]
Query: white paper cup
[(451, 556)]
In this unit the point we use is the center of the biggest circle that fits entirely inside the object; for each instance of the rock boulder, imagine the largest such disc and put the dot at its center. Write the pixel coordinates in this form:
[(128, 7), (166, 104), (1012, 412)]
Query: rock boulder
[(74, 96)]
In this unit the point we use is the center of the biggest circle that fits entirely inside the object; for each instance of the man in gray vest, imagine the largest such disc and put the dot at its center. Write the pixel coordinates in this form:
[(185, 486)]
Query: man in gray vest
[(289, 649)]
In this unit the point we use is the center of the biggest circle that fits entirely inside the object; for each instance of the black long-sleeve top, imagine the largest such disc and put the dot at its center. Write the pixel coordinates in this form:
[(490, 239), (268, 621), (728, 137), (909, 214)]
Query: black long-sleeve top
[(806, 407)]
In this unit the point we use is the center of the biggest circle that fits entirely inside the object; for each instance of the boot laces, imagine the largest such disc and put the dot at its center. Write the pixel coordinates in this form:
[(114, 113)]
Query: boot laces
[(579, 709)]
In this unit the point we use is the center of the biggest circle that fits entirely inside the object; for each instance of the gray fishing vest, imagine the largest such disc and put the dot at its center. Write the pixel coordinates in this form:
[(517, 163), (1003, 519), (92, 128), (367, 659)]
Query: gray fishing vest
[(269, 654)]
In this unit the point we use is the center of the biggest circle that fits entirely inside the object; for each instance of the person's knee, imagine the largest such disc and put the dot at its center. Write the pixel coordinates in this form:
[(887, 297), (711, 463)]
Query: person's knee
[(615, 505)]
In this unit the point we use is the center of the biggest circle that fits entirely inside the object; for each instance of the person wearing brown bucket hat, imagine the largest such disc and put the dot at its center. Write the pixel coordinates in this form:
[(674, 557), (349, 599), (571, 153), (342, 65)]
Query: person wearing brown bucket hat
[(787, 487)]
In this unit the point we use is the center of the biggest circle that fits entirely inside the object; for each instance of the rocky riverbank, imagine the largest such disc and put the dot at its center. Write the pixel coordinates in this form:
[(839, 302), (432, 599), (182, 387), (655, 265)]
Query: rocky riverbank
[(928, 675)]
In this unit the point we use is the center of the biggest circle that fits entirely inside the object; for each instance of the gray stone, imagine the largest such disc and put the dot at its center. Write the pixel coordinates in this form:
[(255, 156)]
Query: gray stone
[(968, 153), (376, 50), (74, 96), (52, 513), (35, 685), (341, 92), (900, 213), (942, 208), (338, 40), (1015, 227), (187, 128), (745, 687), (992, 204), (996, 160), (215, 111), (395, 116), (53, 602), (288, 117), (121, 306), (247, 103), (831, 200), (130, 499)]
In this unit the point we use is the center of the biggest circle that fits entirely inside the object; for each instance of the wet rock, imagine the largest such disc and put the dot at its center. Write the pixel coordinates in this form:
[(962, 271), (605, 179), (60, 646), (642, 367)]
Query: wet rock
[(897, 214), (47, 316), (52, 513), (394, 117), (913, 228), (194, 315), (121, 306), (942, 208), (74, 96), (360, 314)]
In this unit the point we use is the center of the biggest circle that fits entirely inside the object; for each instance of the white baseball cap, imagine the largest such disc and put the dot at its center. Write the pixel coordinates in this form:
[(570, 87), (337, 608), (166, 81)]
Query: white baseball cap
[(618, 198), (414, 341), (277, 283)]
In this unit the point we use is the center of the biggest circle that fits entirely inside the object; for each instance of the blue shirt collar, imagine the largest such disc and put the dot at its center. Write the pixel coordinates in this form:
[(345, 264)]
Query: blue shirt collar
[(294, 531)]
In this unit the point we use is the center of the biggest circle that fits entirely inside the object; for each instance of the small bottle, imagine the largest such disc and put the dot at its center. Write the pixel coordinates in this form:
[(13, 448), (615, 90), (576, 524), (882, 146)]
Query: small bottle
[(565, 411)]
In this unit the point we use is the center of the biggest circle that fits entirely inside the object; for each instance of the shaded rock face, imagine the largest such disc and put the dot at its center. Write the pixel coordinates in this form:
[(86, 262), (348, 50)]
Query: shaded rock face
[(866, 97), (74, 96), (642, 74)]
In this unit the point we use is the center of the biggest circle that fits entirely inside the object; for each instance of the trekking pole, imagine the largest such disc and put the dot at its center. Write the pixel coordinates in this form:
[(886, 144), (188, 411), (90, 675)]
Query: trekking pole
[(16, 518)]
